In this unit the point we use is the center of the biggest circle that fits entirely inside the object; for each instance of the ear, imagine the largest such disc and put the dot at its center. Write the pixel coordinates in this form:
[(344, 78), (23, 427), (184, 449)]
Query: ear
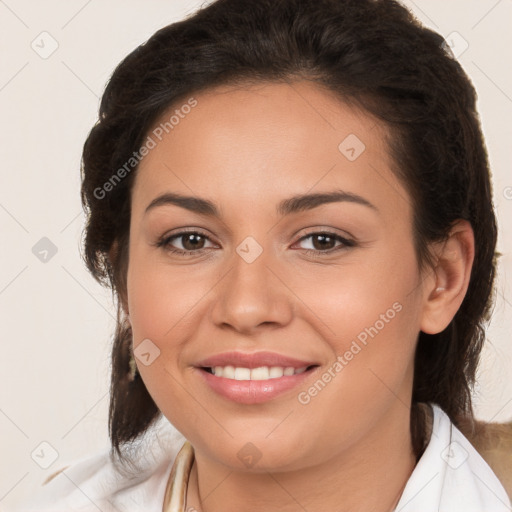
[(113, 257), (446, 288)]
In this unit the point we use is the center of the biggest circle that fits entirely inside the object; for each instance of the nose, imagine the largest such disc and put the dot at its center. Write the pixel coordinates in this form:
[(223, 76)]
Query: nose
[(252, 296)]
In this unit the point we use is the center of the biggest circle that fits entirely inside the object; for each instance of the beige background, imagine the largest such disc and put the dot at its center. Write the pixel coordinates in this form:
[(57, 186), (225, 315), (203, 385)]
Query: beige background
[(56, 321)]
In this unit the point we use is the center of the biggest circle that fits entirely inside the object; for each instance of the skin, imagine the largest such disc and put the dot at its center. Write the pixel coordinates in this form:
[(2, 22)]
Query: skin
[(246, 149)]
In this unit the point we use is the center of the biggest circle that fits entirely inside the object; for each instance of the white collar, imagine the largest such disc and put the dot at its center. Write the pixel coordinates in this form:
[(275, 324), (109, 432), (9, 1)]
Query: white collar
[(451, 476)]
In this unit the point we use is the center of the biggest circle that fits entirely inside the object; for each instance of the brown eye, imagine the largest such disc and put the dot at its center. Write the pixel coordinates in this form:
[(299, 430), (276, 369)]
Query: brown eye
[(190, 242), (324, 242)]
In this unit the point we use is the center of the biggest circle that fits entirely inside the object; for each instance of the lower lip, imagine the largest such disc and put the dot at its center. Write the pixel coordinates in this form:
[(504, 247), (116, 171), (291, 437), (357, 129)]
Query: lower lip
[(253, 391)]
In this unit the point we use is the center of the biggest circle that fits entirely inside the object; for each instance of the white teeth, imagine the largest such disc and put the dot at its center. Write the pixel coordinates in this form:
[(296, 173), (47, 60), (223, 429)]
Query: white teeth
[(260, 373), (242, 374), (228, 372), (276, 372)]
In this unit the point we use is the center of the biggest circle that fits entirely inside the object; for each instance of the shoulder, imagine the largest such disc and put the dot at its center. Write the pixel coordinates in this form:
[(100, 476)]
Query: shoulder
[(493, 441), (62, 488), (102, 481), (451, 474), (465, 463)]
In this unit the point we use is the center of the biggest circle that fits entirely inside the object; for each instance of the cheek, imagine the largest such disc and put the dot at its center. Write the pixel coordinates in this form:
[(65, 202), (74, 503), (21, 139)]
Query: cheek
[(370, 295), (369, 314), (162, 298), (161, 303), (370, 323)]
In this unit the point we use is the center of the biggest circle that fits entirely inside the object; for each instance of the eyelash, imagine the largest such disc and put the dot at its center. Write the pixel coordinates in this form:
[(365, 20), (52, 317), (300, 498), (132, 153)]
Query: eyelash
[(166, 240)]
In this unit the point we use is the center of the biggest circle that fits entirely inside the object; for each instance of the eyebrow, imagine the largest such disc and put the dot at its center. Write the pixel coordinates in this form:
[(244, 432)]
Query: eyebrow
[(288, 206)]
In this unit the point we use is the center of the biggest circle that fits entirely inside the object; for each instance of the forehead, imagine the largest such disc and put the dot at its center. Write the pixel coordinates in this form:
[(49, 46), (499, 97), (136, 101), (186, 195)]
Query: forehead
[(264, 142)]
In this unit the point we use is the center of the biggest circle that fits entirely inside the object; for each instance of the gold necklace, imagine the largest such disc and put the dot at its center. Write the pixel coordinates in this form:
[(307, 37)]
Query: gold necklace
[(176, 490)]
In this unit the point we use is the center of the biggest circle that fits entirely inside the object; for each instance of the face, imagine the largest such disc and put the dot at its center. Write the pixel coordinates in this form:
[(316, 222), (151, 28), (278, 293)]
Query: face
[(326, 289)]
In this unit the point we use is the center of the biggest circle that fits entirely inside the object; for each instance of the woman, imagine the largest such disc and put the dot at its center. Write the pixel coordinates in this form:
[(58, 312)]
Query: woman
[(291, 201)]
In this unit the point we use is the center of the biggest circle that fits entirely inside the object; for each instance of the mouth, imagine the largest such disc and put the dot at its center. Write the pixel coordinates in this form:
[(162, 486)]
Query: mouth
[(261, 384)]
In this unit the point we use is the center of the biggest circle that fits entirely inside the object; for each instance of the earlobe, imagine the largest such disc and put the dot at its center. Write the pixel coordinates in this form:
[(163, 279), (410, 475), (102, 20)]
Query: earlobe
[(446, 291)]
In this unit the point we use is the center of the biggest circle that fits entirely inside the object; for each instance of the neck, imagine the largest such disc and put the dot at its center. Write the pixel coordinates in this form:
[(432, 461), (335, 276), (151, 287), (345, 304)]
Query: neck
[(370, 475)]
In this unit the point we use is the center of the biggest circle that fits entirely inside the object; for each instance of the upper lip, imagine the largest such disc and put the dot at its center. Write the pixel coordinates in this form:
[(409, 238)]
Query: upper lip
[(253, 360)]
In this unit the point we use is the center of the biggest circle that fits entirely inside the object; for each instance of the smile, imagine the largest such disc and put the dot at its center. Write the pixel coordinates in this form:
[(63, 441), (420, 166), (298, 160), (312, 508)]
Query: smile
[(254, 385), (260, 373)]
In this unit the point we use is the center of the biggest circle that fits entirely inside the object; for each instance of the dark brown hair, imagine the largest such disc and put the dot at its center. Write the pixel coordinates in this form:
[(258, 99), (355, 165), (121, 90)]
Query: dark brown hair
[(372, 53)]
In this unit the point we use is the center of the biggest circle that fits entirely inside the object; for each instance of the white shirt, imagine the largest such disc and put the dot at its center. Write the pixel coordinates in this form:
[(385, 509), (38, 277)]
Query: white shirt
[(451, 476)]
